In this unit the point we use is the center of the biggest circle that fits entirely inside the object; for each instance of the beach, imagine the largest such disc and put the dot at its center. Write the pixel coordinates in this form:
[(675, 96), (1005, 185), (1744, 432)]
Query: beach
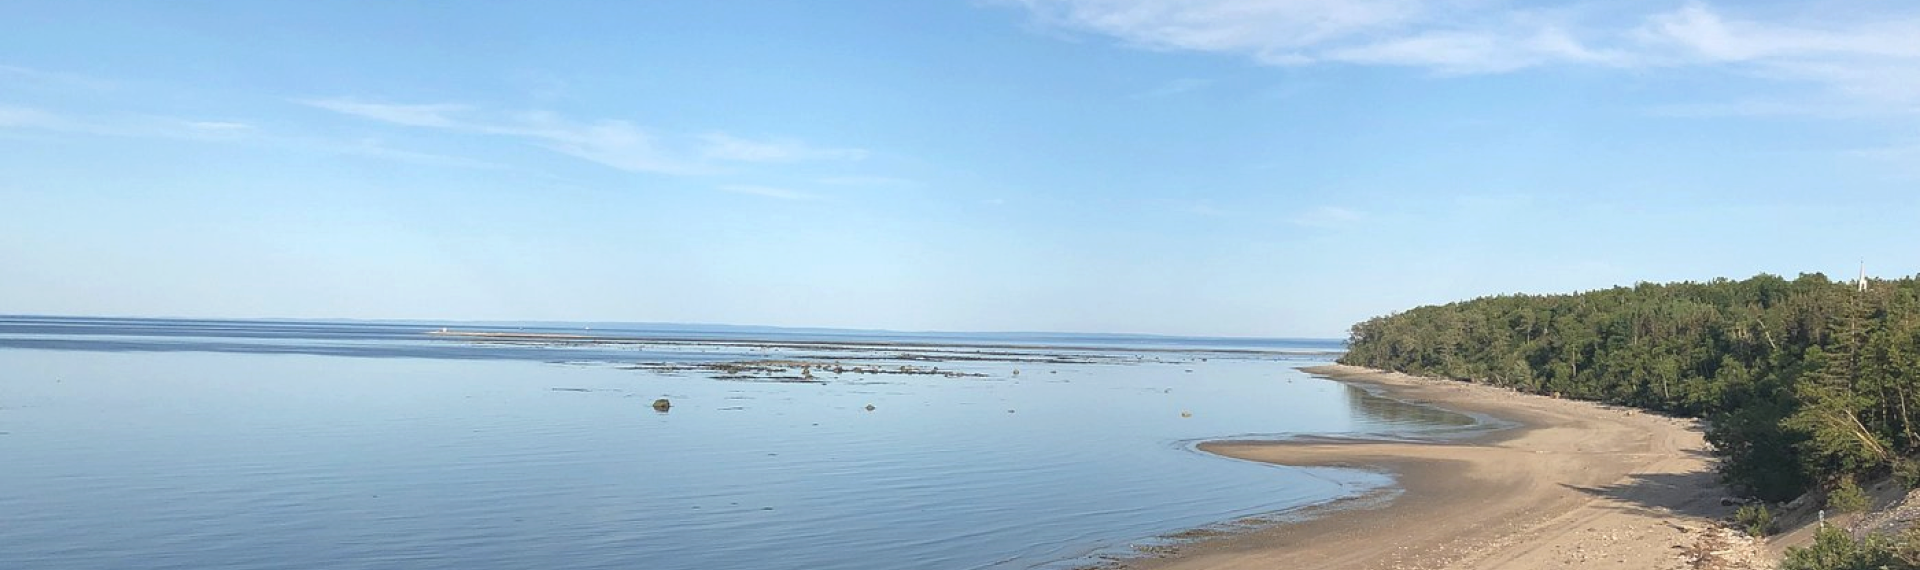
[(1571, 484)]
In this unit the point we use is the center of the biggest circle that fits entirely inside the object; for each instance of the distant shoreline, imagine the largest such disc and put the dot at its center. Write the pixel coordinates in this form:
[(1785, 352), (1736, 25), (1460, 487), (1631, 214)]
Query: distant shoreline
[(519, 337), (1574, 484)]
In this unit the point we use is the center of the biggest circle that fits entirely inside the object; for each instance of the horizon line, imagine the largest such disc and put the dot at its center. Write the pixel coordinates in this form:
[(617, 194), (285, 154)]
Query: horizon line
[(677, 324)]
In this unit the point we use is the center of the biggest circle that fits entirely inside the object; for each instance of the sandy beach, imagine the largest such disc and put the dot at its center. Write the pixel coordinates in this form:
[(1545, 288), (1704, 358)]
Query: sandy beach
[(1574, 485)]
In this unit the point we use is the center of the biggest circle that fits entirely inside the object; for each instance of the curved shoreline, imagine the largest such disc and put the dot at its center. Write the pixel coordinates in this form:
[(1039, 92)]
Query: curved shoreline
[(1570, 484)]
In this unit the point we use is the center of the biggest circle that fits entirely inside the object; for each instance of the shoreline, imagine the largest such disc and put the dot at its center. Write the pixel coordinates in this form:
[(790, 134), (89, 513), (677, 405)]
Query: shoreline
[(1567, 484)]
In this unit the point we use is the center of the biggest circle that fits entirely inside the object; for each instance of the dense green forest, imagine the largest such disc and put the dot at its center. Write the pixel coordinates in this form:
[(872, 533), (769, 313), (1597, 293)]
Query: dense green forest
[(1804, 382)]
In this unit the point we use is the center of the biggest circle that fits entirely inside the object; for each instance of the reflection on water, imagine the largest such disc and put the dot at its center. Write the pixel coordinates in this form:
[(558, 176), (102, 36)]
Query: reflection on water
[(1387, 415), (301, 459)]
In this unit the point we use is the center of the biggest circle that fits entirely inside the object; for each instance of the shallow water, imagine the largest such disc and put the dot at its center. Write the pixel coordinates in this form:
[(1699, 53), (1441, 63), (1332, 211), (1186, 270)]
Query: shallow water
[(176, 455)]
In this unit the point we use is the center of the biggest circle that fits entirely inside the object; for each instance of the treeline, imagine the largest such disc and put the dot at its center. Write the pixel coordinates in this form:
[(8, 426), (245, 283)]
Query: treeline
[(1807, 381)]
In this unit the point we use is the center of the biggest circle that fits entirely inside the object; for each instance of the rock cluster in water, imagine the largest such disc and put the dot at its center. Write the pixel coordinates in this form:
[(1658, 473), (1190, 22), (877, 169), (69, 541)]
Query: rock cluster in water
[(792, 370)]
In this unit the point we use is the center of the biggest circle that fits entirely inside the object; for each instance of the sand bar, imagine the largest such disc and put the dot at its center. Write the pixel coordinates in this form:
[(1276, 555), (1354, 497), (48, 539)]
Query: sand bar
[(1574, 485)]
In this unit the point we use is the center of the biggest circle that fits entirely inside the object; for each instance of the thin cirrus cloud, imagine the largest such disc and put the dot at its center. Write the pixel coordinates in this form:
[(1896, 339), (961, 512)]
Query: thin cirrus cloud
[(869, 181), (33, 78), (618, 144), (105, 124), (16, 118), (721, 146), (28, 117), (1446, 36), (1863, 52), (132, 126)]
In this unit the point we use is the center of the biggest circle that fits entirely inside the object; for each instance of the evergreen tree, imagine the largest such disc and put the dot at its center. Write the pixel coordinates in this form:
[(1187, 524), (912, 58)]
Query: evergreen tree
[(1802, 380)]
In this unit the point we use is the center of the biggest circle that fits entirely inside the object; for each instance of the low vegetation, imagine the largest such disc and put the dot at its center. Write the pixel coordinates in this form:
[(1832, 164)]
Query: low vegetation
[(1834, 549), (1846, 497), (1756, 519)]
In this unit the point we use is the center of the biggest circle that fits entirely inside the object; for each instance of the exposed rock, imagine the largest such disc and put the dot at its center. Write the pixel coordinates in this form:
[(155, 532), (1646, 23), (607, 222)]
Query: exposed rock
[(789, 370), (1900, 512), (662, 405)]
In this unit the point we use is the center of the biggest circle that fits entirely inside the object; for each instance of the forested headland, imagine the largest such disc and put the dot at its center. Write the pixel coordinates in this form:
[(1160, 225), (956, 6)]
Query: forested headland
[(1805, 382)]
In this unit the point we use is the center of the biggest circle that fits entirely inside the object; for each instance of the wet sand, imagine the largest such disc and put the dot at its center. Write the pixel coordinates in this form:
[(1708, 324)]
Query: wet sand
[(1573, 485)]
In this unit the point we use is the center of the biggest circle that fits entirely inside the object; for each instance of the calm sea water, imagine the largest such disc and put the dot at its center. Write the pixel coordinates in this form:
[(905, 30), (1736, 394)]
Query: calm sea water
[(240, 445)]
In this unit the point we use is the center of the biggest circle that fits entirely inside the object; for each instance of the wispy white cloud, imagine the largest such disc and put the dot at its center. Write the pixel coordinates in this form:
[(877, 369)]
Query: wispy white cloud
[(1328, 217), (612, 143), (1909, 153), (1871, 56), (436, 115), (1902, 159), (27, 117), (1867, 54), (721, 146), (868, 181), (618, 144), (766, 191), (19, 75), (1706, 34), (134, 126), (1447, 35), (1477, 51), (1272, 31)]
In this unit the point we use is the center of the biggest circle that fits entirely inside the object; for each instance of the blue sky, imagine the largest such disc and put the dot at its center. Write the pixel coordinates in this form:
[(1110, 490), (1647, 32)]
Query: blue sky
[(1218, 167)]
